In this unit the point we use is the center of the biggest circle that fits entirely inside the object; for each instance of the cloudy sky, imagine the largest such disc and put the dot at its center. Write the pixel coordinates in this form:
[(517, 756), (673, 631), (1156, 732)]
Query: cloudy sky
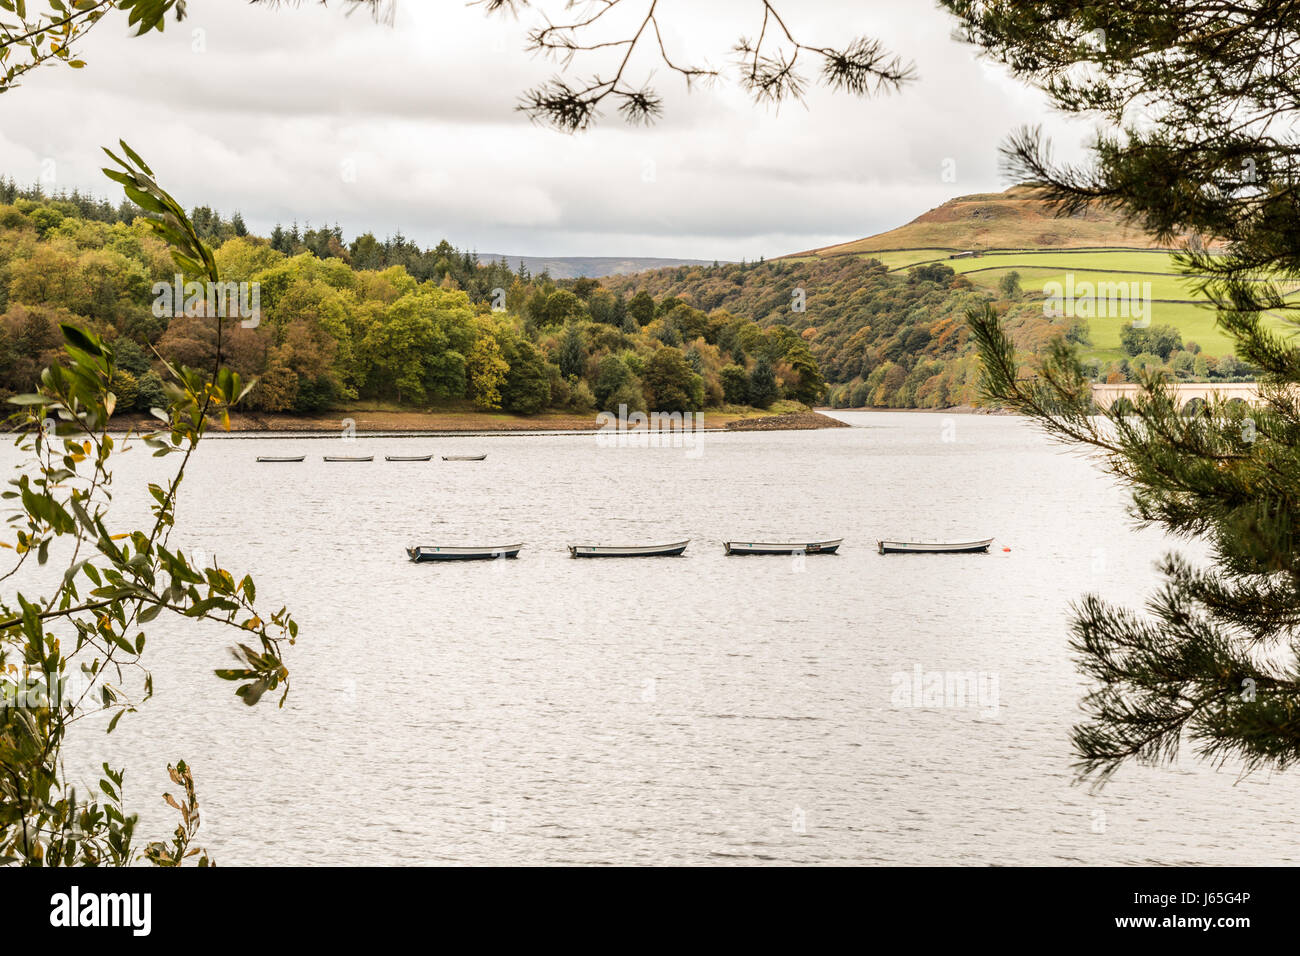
[(305, 113)]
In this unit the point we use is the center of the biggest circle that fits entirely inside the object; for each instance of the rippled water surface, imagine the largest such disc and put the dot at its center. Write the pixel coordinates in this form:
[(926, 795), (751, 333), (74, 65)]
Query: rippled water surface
[(700, 709)]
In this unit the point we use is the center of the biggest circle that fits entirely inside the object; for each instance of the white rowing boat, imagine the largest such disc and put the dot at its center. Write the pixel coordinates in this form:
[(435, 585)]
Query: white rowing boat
[(462, 553), (627, 551), (783, 547), (934, 547)]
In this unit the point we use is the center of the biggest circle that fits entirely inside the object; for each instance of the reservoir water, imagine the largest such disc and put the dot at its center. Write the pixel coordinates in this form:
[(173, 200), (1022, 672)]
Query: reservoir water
[(694, 710)]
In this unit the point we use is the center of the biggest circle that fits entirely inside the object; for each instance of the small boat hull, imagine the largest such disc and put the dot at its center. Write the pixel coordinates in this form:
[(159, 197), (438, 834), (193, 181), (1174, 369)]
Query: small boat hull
[(408, 458), (783, 547), (426, 553), (463, 457), (633, 551), (283, 459), (344, 458), (934, 547)]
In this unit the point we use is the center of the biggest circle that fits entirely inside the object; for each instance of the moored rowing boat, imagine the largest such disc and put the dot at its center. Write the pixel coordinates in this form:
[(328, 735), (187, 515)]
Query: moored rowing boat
[(462, 553), (829, 546), (934, 547), (627, 551)]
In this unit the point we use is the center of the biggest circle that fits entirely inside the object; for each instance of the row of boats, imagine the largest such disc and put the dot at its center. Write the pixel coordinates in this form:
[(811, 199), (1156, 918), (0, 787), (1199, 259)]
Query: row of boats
[(286, 459), (421, 553)]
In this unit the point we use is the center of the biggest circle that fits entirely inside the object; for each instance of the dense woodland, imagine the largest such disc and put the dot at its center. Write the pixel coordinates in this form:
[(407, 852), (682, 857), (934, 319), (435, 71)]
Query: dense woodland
[(900, 340), (384, 320), (373, 320)]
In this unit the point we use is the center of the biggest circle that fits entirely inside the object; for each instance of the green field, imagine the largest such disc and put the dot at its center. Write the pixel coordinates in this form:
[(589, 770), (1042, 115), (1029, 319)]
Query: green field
[(1037, 268)]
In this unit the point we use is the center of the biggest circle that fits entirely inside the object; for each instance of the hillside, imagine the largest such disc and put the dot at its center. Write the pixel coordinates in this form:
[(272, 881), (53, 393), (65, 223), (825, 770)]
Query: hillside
[(884, 316), (904, 335), (988, 236), (1006, 220)]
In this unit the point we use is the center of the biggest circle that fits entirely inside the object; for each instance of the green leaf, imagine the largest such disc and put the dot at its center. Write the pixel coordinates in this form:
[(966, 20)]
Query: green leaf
[(135, 157), (144, 200), (81, 340), (123, 643)]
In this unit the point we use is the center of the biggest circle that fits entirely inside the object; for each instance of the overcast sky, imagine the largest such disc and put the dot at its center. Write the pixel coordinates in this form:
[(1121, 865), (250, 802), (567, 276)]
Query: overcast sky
[(305, 113)]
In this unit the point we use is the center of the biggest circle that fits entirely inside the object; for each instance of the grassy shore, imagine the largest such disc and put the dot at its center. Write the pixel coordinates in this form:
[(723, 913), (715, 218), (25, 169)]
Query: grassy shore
[(369, 417)]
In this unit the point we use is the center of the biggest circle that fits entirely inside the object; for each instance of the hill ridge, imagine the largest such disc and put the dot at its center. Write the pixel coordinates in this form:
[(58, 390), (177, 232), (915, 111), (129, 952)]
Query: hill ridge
[(1011, 220)]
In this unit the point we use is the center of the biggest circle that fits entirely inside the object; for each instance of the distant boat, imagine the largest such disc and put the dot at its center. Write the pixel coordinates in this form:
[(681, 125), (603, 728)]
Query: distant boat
[(458, 553), (408, 457), (463, 457), (934, 547), (635, 551), (281, 458), (346, 458), (787, 547)]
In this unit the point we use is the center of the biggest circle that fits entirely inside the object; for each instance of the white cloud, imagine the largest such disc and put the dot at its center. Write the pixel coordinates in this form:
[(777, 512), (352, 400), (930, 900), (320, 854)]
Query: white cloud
[(304, 113)]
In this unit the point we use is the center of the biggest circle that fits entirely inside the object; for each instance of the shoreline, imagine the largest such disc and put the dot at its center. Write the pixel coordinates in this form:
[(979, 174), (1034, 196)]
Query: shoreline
[(378, 422), (950, 410)]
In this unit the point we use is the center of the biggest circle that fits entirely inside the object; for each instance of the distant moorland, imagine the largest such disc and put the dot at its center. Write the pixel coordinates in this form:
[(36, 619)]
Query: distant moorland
[(590, 267)]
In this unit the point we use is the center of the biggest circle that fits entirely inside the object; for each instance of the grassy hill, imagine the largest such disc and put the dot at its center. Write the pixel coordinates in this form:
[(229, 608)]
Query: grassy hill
[(1006, 220), (1174, 300), (987, 235)]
